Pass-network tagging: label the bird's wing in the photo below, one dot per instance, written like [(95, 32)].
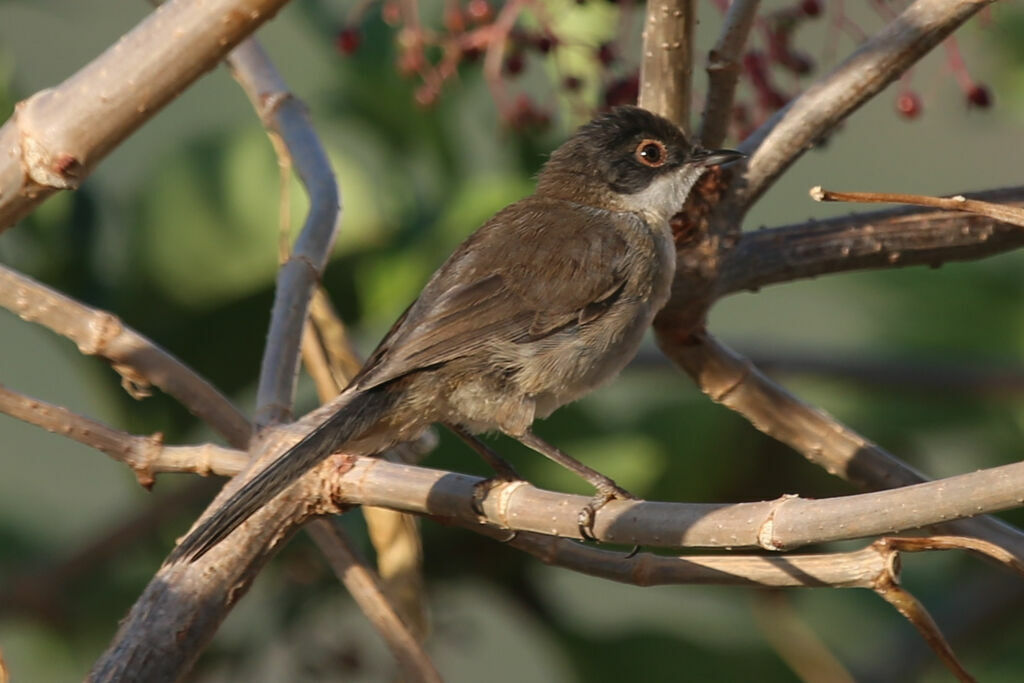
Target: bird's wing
[(535, 268)]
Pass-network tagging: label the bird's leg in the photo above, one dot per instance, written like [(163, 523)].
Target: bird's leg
[(606, 487), (503, 470)]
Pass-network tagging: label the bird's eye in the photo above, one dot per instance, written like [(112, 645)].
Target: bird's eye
[(651, 153)]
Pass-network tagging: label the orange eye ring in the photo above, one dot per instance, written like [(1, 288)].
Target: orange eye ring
[(651, 153)]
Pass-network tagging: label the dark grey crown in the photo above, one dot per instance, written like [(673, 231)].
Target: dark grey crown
[(605, 149)]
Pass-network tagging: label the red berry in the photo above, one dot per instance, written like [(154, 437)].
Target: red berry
[(811, 8), (479, 11), (606, 54), (908, 104), (572, 83), (347, 41), (514, 64), (979, 96), (545, 43)]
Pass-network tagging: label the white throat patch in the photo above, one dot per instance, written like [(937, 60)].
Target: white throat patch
[(664, 197)]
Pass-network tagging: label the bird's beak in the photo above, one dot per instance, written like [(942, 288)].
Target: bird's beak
[(714, 157)]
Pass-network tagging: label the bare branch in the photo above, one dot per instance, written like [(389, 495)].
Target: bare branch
[(395, 536), (724, 71), (146, 455), (56, 137), (909, 606), (138, 360), (283, 113), (881, 239), (365, 588), (834, 96), (733, 381), (666, 67), (857, 569), (998, 212), (786, 523)]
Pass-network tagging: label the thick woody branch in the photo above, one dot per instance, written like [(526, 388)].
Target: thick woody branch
[(724, 71), (880, 239), (146, 455), (56, 137), (666, 66), (816, 112), (138, 360), (286, 116), (733, 381)]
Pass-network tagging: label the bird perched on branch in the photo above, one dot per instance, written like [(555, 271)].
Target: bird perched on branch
[(544, 302)]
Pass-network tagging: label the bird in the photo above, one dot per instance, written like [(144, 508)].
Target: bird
[(546, 301)]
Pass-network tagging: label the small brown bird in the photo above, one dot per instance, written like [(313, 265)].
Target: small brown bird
[(543, 303)]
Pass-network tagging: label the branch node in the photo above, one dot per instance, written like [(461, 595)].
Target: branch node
[(766, 532)]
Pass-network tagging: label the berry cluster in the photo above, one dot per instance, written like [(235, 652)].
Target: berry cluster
[(477, 31)]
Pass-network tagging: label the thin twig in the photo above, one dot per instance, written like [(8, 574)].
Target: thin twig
[(364, 587), (138, 360), (724, 71), (914, 612), (1006, 214), (146, 455), (296, 143), (282, 112), (825, 103)]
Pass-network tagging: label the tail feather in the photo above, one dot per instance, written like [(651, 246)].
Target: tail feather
[(351, 420)]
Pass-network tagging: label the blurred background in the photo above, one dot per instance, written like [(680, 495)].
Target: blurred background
[(176, 233)]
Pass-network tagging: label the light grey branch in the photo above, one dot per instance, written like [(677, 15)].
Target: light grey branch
[(138, 360), (733, 381), (56, 137), (666, 66), (816, 112), (146, 455), (285, 115)]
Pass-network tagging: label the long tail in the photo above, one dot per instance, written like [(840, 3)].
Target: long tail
[(351, 420)]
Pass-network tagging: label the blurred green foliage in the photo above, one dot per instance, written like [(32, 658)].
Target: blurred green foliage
[(188, 256)]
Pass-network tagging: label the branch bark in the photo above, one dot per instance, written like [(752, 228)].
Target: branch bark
[(880, 239), (56, 137), (724, 71), (666, 66), (285, 115), (816, 112), (138, 360), (146, 455), (733, 381)]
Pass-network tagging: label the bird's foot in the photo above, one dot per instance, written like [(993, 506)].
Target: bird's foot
[(483, 488), (606, 492)]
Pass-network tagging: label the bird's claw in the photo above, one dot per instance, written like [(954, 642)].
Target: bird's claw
[(588, 513), (483, 488)]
